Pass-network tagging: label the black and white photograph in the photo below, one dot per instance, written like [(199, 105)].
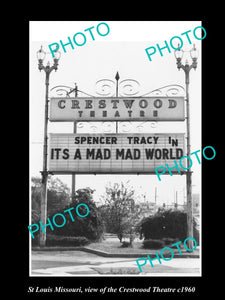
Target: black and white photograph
[(116, 153)]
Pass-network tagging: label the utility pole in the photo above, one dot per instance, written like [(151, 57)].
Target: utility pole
[(155, 194), (176, 204)]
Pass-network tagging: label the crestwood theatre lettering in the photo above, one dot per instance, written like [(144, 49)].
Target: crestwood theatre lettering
[(117, 109), (113, 153)]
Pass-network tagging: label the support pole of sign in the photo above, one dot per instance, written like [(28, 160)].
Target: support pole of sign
[(117, 79), (47, 69), (45, 171), (189, 172), (74, 131), (186, 68)]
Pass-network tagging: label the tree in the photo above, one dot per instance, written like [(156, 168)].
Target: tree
[(35, 199), (58, 196), (119, 212), (90, 226)]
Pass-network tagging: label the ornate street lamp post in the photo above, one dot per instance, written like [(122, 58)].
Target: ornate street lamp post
[(187, 67), (48, 69)]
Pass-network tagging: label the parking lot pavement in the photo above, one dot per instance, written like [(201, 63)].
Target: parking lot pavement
[(78, 263)]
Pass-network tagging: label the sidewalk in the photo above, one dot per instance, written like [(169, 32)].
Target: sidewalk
[(145, 252), (81, 263)]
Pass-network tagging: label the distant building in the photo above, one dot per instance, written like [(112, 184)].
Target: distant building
[(195, 205)]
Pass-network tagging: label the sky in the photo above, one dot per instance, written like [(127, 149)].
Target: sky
[(122, 50)]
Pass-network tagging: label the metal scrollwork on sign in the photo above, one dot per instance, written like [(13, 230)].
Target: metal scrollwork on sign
[(128, 87), (168, 90), (140, 127), (96, 127), (125, 127), (80, 125), (136, 127), (105, 88), (67, 91), (108, 127), (93, 128), (61, 91)]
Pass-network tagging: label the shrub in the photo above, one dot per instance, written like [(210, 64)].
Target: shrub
[(170, 241), (65, 241), (35, 241), (167, 224), (153, 244), (90, 227), (125, 244)]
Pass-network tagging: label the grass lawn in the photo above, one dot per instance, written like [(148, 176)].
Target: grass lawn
[(113, 245)]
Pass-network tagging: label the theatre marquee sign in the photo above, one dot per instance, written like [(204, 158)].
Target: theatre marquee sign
[(117, 109), (113, 153)]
